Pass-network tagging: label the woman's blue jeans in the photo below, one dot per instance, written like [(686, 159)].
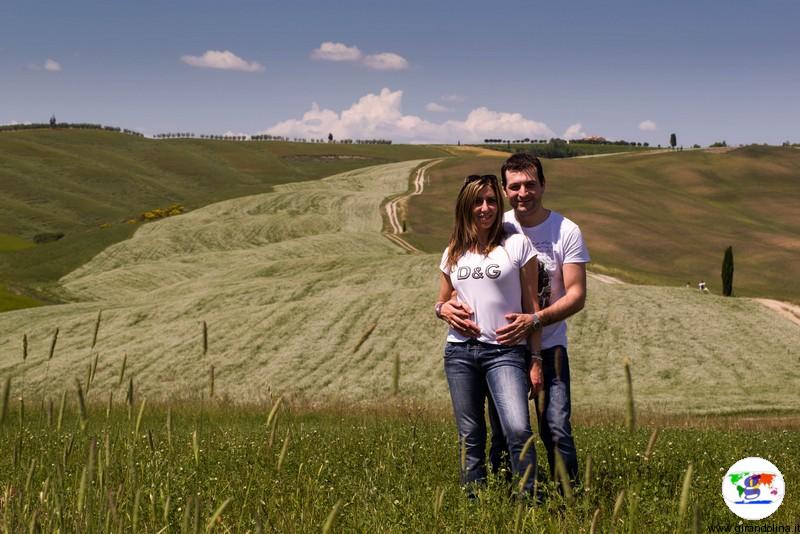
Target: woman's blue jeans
[(474, 369)]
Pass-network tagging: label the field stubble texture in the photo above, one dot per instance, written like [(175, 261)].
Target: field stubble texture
[(303, 295)]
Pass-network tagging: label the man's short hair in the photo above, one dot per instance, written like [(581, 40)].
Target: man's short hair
[(521, 162)]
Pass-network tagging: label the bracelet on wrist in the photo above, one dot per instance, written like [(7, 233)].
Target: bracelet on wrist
[(536, 322), (437, 309), (536, 356)]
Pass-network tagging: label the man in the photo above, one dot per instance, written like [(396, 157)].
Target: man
[(562, 292)]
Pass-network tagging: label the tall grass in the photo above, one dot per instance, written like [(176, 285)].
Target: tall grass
[(348, 470)]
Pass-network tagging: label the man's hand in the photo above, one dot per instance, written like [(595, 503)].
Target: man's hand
[(537, 378), (518, 328), (458, 316)]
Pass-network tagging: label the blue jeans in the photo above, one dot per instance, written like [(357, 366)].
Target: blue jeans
[(554, 426), (474, 371)]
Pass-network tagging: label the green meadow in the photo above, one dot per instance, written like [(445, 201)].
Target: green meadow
[(276, 467), (661, 219)]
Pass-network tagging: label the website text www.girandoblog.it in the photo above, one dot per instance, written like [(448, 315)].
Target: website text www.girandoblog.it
[(768, 527)]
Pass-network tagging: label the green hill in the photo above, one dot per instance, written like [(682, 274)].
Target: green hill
[(86, 184), (303, 295), (662, 218)]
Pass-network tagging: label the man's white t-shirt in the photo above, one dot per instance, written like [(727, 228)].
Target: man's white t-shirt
[(490, 285), (557, 241)]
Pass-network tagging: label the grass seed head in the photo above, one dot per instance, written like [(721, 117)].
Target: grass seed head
[(686, 487), (631, 414), (215, 517), (81, 403), (587, 474), (195, 448), (5, 399), (96, 328), (284, 450), (331, 519), (139, 416), (595, 522), (53, 345), (122, 369), (651, 443)]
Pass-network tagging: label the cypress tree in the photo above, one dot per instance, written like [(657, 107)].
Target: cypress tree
[(727, 272)]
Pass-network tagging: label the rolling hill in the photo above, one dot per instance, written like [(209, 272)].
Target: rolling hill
[(87, 184), (663, 218), (303, 295)]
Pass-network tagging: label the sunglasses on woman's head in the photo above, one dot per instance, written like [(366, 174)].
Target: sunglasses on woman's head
[(476, 177)]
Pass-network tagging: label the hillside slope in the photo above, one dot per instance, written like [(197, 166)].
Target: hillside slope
[(87, 184), (664, 218), (303, 295)]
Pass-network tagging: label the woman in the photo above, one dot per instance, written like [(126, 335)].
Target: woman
[(495, 275)]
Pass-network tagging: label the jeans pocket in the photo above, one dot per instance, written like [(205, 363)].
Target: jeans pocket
[(450, 349)]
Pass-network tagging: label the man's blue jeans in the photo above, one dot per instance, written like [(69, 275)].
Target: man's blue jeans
[(474, 371), (554, 426)]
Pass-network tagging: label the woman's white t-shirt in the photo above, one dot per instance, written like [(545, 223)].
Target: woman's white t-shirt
[(490, 285)]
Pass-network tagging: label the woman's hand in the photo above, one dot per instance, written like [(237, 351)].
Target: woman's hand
[(537, 378)]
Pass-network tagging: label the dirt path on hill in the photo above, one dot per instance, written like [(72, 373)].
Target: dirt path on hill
[(392, 205), (786, 309), (604, 278)]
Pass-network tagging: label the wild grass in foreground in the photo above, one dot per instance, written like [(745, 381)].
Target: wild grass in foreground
[(212, 466)]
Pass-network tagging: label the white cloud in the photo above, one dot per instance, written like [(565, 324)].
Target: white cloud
[(52, 65), (452, 98), (574, 131), (380, 116), (647, 126), (231, 133), (329, 51), (437, 108), (386, 61), (49, 65), (227, 60)]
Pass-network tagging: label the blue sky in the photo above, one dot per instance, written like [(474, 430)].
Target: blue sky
[(410, 71)]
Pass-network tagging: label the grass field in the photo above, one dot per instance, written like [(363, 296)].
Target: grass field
[(302, 295), (212, 466), (87, 184), (661, 219), (224, 468)]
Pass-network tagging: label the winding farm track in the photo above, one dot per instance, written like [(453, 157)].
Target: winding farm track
[(391, 210)]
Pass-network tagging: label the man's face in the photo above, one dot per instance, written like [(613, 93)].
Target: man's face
[(524, 192)]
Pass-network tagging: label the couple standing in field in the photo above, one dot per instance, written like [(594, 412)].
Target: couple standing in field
[(509, 280)]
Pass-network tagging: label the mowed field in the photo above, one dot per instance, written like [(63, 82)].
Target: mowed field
[(303, 295), (88, 184), (661, 219)]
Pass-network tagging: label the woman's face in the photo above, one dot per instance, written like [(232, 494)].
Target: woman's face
[(484, 212)]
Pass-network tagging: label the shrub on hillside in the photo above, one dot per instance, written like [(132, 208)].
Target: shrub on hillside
[(160, 213), (47, 237)]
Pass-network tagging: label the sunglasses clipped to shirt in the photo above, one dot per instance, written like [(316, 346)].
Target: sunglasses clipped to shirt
[(485, 178)]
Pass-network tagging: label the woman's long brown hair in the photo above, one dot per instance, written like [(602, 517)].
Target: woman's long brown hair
[(465, 232)]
